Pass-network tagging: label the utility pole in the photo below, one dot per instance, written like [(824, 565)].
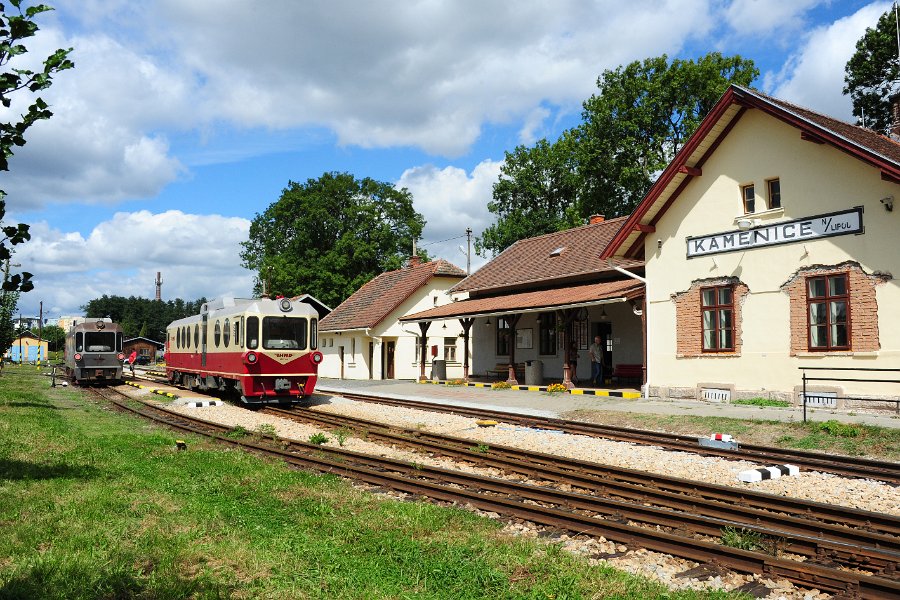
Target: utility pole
[(41, 333), (21, 360), (468, 250)]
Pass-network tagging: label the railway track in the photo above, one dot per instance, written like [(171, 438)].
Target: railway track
[(572, 511), (847, 466)]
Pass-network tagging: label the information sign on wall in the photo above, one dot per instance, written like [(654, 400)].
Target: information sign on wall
[(786, 232)]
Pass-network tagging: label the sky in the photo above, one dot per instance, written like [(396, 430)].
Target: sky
[(182, 120)]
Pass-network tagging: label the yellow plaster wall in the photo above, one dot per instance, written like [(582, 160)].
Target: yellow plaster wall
[(815, 179)]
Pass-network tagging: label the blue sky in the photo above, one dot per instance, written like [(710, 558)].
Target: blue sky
[(182, 120)]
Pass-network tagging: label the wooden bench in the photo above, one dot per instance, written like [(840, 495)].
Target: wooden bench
[(628, 372), (502, 370)]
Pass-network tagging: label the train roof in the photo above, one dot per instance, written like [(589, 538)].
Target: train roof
[(94, 324), (223, 307)]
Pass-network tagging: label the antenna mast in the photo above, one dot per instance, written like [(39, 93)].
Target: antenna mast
[(159, 286)]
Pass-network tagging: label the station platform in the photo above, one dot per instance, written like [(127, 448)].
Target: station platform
[(534, 401)]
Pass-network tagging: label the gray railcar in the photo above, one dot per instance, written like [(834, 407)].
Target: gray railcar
[(94, 351)]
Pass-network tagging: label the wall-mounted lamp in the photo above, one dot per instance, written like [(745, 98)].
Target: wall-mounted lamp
[(888, 203), (659, 244), (445, 326), (744, 224), (538, 319), (603, 315), (487, 322)]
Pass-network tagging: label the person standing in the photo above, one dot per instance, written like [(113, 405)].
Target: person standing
[(131, 360), (596, 352), (573, 363)]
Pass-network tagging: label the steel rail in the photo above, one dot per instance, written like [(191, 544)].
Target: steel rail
[(847, 466), (372, 471), (593, 479)]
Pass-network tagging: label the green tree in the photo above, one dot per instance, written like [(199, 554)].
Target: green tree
[(9, 300), (873, 72), (142, 317), (53, 334), (14, 28), (329, 236), (632, 128)]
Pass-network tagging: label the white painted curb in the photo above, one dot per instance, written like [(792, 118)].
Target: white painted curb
[(763, 473)]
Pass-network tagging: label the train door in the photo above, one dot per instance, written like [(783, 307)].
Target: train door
[(371, 358), (203, 340), (604, 330)]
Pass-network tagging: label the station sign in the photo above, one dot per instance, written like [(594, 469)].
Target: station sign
[(786, 232)]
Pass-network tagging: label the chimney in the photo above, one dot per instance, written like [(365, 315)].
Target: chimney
[(596, 219), (414, 261)]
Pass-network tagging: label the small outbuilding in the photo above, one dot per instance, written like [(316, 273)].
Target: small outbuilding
[(27, 348), (147, 349)]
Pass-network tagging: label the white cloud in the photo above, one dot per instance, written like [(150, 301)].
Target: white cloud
[(198, 255), (764, 17), (452, 200), (814, 76)]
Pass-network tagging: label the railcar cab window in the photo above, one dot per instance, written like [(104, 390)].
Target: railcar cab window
[(828, 310), (749, 198), (226, 332), (217, 333), (237, 332), (252, 332), (717, 307), (79, 341), (284, 333), (313, 334), (99, 341)]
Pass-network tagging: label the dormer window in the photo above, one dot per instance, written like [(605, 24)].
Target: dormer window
[(558, 251)]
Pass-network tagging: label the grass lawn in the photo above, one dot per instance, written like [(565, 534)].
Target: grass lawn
[(95, 504), (828, 436)]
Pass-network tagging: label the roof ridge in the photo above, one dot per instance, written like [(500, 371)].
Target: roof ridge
[(570, 229)]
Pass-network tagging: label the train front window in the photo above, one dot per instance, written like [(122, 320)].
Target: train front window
[(284, 333), (99, 341), (79, 341)]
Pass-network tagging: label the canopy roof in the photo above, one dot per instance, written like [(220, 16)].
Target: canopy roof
[(534, 301)]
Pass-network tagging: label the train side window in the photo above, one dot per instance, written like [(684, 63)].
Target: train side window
[(183, 337), (313, 334), (177, 340), (79, 342), (252, 332), (237, 332), (197, 335), (217, 333), (226, 332)]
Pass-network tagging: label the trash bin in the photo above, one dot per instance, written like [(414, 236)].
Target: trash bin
[(534, 372), (439, 370)]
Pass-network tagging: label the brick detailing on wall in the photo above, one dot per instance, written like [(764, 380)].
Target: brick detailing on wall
[(688, 319), (864, 335)]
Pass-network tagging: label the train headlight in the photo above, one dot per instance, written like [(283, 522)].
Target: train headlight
[(120, 356), (317, 357), (250, 358), (285, 305), (77, 357)]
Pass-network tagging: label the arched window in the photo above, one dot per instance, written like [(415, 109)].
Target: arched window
[(226, 333), (197, 335), (217, 333)]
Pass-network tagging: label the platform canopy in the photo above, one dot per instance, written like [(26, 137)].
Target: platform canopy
[(559, 298)]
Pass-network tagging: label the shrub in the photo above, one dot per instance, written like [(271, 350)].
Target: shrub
[(456, 382), (318, 439), (838, 429), (557, 388), (744, 539), (500, 385)]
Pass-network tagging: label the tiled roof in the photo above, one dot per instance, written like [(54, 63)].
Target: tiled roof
[(859, 142), (375, 300), (533, 261), (551, 298)]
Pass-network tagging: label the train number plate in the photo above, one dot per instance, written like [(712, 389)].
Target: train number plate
[(282, 384)]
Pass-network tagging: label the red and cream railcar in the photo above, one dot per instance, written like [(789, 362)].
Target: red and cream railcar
[(263, 349)]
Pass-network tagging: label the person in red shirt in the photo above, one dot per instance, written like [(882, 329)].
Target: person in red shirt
[(132, 359)]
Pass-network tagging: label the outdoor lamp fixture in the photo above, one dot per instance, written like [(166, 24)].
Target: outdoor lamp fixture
[(445, 326), (603, 315), (487, 322), (538, 319), (888, 203), (744, 224)]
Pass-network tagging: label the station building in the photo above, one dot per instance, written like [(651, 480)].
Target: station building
[(363, 338), (770, 245), (543, 296)]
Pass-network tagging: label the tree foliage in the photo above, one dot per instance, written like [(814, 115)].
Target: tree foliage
[(54, 335), (329, 236), (14, 28), (872, 74), (142, 316), (8, 302), (631, 129)]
